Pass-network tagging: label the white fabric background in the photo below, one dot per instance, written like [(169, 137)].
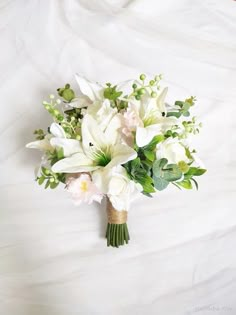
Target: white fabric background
[(53, 256)]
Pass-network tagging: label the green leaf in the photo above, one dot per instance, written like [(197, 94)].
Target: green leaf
[(152, 144), (158, 165), (179, 103), (185, 184), (150, 155), (175, 114), (47, 184), (41, 180), (195, 182), (60, 153), (53, 185), (146, 182), (194, 171), (172, 173), (160, 183), (111, 93), (185, 107)]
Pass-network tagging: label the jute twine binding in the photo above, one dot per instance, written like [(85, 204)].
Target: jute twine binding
[(114, 216)]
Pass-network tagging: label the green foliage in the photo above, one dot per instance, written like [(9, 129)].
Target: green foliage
[(164, 173), (182, 108), (185, 184), (55, 156), (66, 92), (153, 143), (111, 93), (160, 183), (188, 177), (50, 178), (194, 171), (172, 173), (40, 135), (137, 171), (184, 167)]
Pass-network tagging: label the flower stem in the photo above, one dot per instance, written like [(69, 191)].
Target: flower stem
[(117, 234)]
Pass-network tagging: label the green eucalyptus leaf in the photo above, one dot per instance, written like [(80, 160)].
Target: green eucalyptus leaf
[(179, 103), (160, 183), (185, 107), (186, 114), (175, 114), (172, 173), (158, 166)]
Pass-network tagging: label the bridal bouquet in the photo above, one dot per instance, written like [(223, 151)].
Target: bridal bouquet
[(117, 141)]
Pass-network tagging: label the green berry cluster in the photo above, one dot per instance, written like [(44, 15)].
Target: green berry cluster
[(191, 126), (143, 88), (40, 135), (66, 93), (50, 178), (51, 108)]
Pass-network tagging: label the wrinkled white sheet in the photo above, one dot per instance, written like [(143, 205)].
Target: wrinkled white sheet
[(53, 256)]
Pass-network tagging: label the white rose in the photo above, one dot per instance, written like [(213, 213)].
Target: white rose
[(117, 186), (172, 150)]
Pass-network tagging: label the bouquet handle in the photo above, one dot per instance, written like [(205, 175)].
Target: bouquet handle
[(117, 233)]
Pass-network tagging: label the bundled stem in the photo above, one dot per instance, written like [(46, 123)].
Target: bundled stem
[(117, 233)]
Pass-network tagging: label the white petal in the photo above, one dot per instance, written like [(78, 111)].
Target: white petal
[(161, 100), (113, 128), (101, 178), (78, 162), (121, 154), (145, 135), (69, 146), (57, 131), (80, 102), (91, 134), (91, 90), (43, 145)]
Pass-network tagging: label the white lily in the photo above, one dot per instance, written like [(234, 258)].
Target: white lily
[(89, 92), (103, 113), (149, 116), (115, 183), (173, 150), (56, 139), (98, 148)]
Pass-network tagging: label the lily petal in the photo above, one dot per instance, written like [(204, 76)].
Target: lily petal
[(91, 134), (69, 146), (57, 131), (76, 163), (113, 128), (121, 154), (80, 102), (145, 135), (87, 88), (161, 100), (42, 145)]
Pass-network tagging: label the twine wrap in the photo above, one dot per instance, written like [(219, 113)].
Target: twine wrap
[(114, 216)]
